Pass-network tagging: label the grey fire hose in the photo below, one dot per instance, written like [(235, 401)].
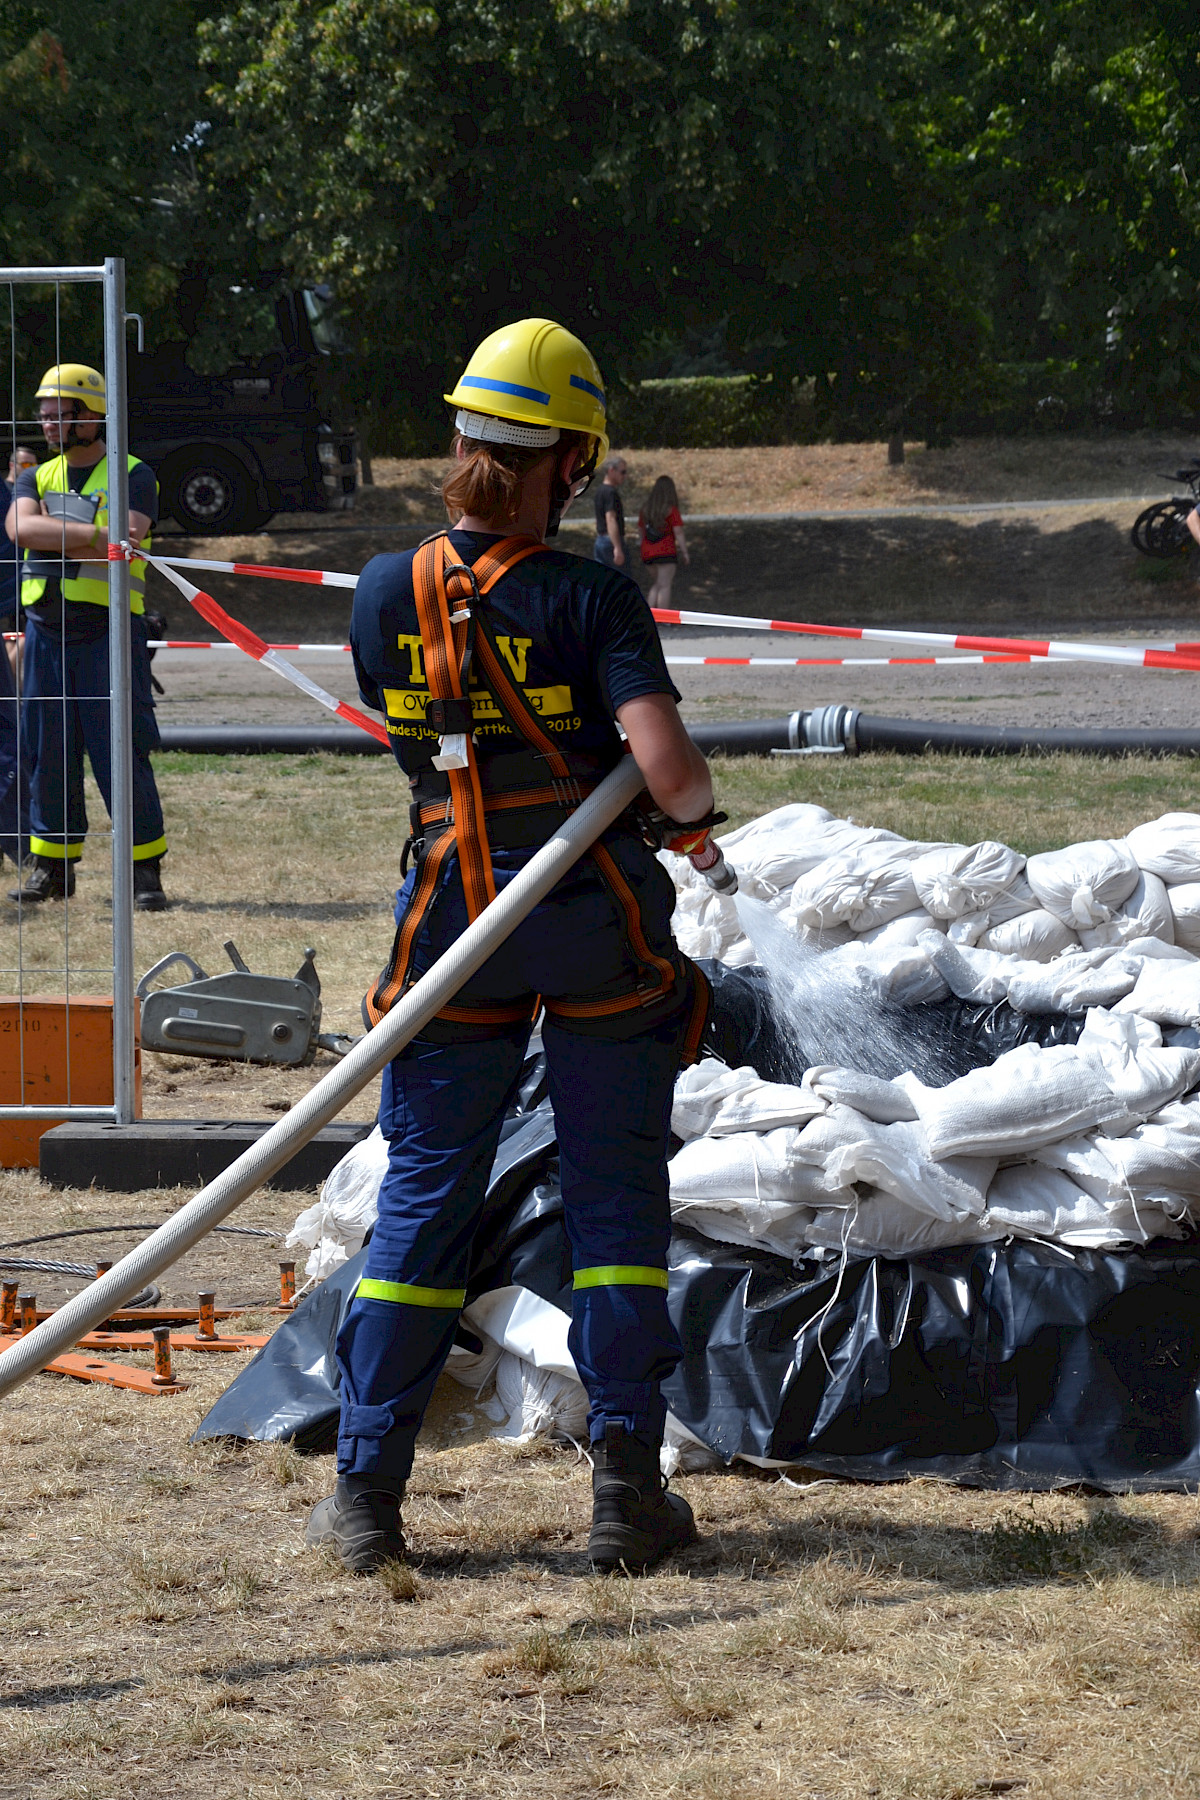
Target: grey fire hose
[(323, 1102)]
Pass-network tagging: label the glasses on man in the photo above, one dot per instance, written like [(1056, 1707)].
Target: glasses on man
[(60, 413)]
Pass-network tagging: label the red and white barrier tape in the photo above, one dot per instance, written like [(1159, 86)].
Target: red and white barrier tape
[(672, 662), (309, 577), (1176, 656), (256, 647), (1047, 648)]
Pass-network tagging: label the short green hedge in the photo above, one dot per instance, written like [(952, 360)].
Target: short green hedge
[(711, 412)]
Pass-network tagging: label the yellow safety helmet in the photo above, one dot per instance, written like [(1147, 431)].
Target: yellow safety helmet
[(74, 381), (526, 383)]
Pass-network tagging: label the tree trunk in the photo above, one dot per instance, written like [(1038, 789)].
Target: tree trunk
[(896, 447)]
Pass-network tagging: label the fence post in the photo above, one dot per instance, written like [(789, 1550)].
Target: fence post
[(116, 435)]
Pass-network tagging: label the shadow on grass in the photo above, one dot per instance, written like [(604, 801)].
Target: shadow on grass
[(320, 911)]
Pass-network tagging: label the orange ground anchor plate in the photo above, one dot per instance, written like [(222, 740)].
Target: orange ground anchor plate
[(109, 1374)]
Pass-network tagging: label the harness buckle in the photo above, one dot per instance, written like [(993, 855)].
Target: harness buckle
[(450, 717), (651, 990)]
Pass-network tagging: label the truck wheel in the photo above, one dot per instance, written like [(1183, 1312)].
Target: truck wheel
[(211, 494)]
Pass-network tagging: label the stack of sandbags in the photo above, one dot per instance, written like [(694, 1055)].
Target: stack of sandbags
[(831, 883), (1089, 1143)]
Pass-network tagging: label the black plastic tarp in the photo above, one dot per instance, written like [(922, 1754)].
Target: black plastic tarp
[(1011, 1365)]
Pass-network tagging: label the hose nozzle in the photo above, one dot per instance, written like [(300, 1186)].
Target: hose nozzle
[(710, 863)]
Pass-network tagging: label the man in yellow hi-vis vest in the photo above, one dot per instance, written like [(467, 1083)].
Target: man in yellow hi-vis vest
[(60, 519)]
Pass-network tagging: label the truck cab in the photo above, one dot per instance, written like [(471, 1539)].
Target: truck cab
[(269, 435)]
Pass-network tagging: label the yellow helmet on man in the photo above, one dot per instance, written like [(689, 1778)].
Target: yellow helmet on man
[(528, 382), (74, 381)]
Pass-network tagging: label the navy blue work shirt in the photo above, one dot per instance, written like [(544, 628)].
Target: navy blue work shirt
[(579, 639)]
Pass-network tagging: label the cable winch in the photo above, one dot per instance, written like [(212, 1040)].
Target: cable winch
[(239, 1017)]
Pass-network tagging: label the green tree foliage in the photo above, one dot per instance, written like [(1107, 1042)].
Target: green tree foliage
[(628, 166), (921, 210)]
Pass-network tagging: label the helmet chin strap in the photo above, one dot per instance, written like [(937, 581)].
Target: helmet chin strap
[(561, 491)]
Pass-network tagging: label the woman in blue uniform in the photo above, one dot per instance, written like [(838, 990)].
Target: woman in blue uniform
[(504, 668)]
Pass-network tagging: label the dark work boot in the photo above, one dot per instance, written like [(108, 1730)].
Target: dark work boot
[(362, 1523), (634, 1519), (45, 878), (148, 893)]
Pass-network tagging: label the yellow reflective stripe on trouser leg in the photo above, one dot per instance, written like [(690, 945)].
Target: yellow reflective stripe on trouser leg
[(143, 852), (48, 847), (621, 1275), (402, 1293)]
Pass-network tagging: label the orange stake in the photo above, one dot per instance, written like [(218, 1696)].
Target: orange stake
[(28, 1305), (206, 1323), (163, 1376), (287, 1284), (8, 1304)]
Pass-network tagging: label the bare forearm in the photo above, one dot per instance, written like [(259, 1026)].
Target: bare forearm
[(1193, 523), (34, 531), (676, 772)]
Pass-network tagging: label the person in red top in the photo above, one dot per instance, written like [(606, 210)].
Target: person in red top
[(663, 542)]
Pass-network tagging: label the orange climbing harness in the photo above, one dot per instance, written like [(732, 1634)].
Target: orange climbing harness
[(456, 636)]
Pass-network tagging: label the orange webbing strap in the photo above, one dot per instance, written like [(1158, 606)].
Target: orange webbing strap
[(443, 644), (698, 1017), (394, 979)]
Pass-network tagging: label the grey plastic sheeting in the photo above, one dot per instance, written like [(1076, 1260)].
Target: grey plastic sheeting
[(1009, 1365), (1002, 1365)]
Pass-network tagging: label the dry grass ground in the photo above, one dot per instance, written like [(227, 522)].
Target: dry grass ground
[(166, 1634), (280, 852)]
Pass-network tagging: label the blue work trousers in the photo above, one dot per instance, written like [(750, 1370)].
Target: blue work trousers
[(65, 711), (14, 774), (442, 1109)]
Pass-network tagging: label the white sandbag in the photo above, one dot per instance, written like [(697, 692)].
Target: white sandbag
[(751, 1165), (791, 824), (1168, 847), (1146, 913), (903, 931), (1017, 898), (1035, 936), (890, 974), (779, 1226), (1073, 982), (981, 976), (1035, 1202), (776, 850), (1158, 1159), (861, 890), (1184, 901), (880, 1225), (1083, 884), (683, 1453), (524, 1324), (539, 1402), (820, 937), (1166, 991), (1143, 1073), (895, 1159), (881, 1101), (712, 1100), (960, 879), (335, 1227), (704, 923), (1028, 1097)]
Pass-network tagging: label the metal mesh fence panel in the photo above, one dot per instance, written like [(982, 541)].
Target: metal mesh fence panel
[(66, 689)]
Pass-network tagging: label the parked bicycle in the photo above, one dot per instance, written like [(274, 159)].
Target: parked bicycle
[(1160, 531)]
